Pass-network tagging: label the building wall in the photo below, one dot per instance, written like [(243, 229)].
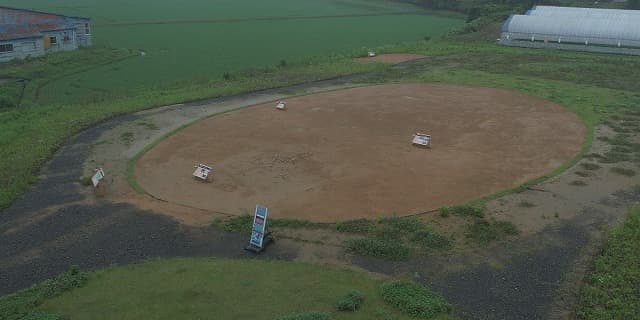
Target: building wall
[(65, 40), (23, 48), (83, 32)]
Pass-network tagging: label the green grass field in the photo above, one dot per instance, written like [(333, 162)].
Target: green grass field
[(201, 40), (222, 289), (611, 290)]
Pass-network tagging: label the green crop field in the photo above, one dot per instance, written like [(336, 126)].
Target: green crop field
[(204, 39)]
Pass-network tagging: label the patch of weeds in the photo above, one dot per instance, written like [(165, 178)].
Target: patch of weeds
[(379, 248), (355, 226), (469, 211), (526, 204), (578, 183), (444, 212), (615, 157), (414, 300), (351, 301), (126, 137), (24, 304), (584, 174), (148, 125), (296, 224), (484, 232), (621, 149), (623, 171), (237, 224), (431, 240), (402, 225), (311, 315), (590, 166), (594, 156), (619, 140), (85, 181), (611, 290)]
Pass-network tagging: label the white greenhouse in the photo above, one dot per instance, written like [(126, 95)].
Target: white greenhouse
[(581, 29)]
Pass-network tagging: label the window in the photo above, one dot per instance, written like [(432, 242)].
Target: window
[(54, 40), (86, 28), (6, 47), (66, 37)]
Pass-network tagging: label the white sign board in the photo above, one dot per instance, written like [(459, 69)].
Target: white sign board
[(99, 175)]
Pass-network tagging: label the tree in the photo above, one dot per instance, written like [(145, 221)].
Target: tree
[(633, 4)]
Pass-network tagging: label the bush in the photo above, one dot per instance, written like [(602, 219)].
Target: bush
[(355, 226), (414, 300), (379, 248), (351, 302), (312, 315), (444, 212)]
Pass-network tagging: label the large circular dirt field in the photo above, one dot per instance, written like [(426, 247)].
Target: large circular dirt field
[(347, 154)]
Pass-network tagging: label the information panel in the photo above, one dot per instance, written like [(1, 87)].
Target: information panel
[(259, 226)]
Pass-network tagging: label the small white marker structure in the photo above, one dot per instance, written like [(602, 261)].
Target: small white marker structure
[(203, 172), (422, 140), (281, 105), (97, 177), (372, 54)]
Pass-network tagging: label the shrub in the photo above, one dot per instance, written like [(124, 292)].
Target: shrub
[(414, 300), (431, 240), (85, 181), (351, 301), (379, 248), (468, 211), (312, 315), (355, 226), (444, 212)]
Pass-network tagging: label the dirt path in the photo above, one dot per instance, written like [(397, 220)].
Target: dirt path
[(391, 58), (347, 154)]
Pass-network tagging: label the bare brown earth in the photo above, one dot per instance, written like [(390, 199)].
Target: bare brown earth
[(347, 154), (391, 58)]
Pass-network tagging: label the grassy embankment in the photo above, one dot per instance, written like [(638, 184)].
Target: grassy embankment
[(224, 289), (611, 290)]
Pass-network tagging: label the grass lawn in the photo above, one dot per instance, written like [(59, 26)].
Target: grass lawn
[(201, 40), (221, 289), (611, 290)]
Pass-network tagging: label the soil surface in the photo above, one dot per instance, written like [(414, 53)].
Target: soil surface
[(391, 58), (347, 154)]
